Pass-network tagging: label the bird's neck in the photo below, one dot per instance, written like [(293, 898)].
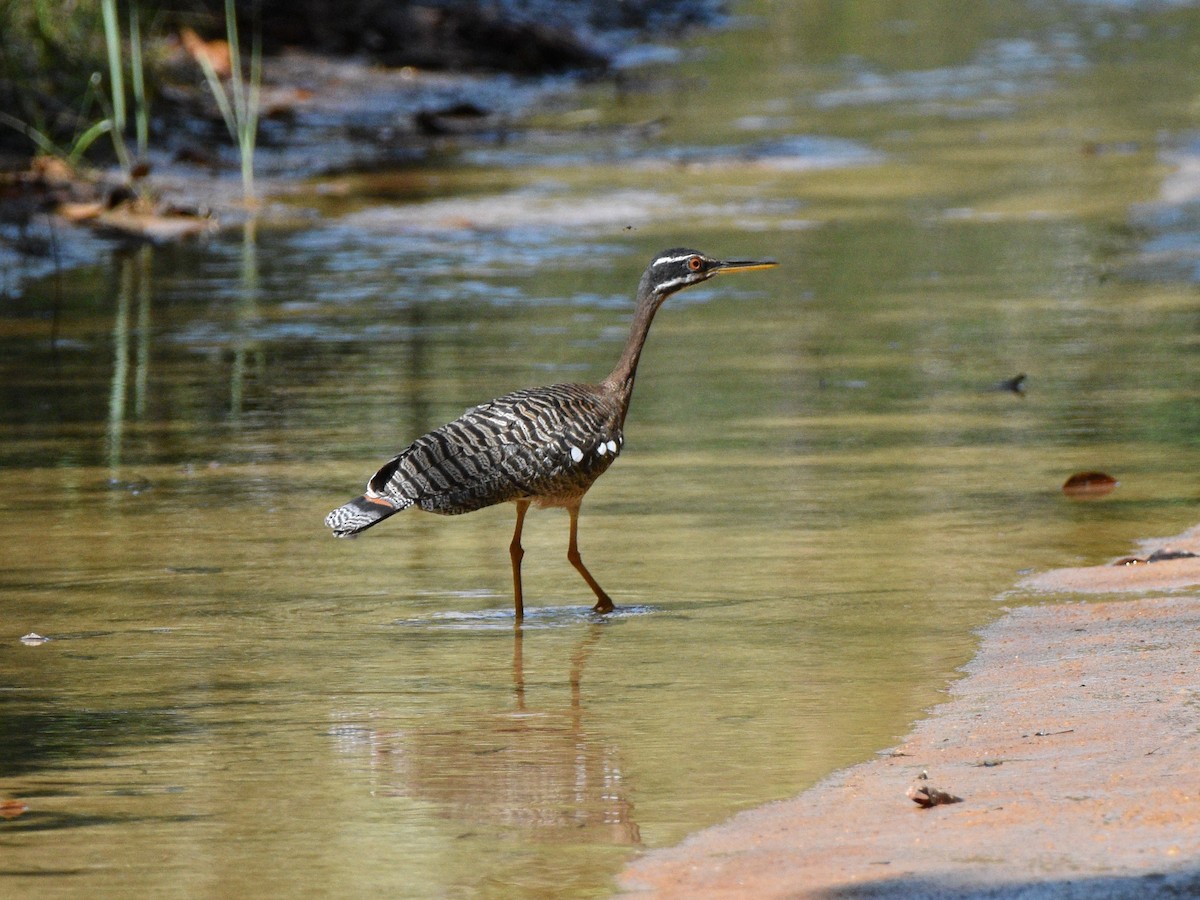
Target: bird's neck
[(620, 381)]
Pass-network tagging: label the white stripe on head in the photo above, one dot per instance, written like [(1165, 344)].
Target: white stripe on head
[(663, 260), (674, 283)]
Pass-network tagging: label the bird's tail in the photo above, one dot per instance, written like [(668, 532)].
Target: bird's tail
[(360, 514)]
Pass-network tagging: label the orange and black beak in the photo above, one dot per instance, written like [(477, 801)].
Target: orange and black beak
[(743, 265)]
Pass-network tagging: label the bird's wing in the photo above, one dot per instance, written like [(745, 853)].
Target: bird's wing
[(542, 442)]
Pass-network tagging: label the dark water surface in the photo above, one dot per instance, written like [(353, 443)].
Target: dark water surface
[(822, 493)]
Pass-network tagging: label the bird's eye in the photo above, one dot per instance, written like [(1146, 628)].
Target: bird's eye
[(695, 264)]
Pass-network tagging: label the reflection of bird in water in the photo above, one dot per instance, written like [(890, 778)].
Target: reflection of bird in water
[(538, 764), (544, 446)]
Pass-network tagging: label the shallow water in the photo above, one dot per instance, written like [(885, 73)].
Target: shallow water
[(821, 494)]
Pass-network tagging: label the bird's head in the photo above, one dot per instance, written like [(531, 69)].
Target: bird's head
[(673, 270)]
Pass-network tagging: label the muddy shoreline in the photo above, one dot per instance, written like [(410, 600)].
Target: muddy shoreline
[(1073, 741)]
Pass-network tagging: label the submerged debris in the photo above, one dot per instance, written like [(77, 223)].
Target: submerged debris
[(136, 485), (1157, 556)]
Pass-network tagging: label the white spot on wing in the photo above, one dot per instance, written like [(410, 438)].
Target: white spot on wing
[(576, 454), (602, 449), (612, 446)]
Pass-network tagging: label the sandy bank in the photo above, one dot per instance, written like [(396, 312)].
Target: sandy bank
[(1073, 741)]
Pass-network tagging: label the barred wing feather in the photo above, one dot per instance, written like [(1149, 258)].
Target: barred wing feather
[(543, 443)]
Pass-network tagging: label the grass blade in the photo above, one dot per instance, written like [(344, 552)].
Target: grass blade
[(85, 140), (112, 41), (219, 95), (137, 75)]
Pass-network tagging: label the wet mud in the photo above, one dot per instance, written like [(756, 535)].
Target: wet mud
[(1072, 741)]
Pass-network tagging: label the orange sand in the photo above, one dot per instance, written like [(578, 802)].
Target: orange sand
[(1087, 716)]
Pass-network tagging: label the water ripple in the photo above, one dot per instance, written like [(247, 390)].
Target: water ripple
[(537, 617)]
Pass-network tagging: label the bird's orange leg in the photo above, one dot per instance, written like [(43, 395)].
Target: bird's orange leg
[(516, 552), (604, 602)]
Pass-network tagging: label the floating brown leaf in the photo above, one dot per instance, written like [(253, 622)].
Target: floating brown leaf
[(1089, 484), (10, 809)]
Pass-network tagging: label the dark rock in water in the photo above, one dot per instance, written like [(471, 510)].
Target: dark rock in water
[(1016, 384), (458, 118)]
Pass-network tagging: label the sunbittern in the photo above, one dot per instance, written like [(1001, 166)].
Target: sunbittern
[(543, 446)]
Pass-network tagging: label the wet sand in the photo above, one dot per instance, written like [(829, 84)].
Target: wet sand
[(1073, 741)]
